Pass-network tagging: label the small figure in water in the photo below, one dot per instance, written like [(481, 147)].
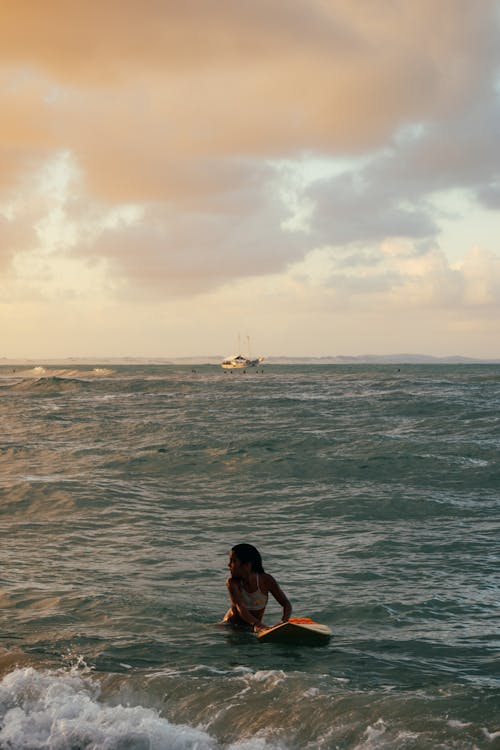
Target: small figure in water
[(249, 587)]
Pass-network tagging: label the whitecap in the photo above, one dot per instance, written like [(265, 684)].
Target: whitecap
[(62, 711), (491, 735), (456, 724), (269, 675), (311, 693)]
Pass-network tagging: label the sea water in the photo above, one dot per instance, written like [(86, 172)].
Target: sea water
[(373, 494)]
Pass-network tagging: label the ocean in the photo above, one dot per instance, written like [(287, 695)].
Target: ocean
[(373, 494)]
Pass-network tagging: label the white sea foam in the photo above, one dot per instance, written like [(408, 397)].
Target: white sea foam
[(270, 677), (491, 735), (373, 735), (44, 372), (62, 710), (456, 724), (257, 743), (311, 693)]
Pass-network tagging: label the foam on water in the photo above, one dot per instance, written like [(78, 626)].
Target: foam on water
[(61, 372), (73, 708), (63, 711)]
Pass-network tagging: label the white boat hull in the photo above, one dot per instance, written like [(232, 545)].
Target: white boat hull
[(239, 364)]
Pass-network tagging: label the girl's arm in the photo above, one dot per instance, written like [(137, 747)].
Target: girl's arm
[(280, 597), (241, 609)]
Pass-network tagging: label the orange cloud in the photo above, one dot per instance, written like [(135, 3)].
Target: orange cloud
[(181, 107), (138, 90)]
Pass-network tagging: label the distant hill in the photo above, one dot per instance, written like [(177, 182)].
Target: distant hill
[(382, 359)]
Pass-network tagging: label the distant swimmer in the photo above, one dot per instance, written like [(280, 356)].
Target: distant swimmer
[(249, 586)]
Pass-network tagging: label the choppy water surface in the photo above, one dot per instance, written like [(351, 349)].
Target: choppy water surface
[(373, 494)]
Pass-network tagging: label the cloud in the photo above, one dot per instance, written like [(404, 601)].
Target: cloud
[(391, 194), (173, 116), (399, 274), (353, 207), (185, 253), (53, 223), (137, 91), (480, 270)]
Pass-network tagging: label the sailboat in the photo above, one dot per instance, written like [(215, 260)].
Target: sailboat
[(239, 361)]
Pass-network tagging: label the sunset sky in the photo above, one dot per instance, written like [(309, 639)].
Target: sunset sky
[(322, 175)]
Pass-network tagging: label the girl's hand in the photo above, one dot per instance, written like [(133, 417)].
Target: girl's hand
[(258, 627)]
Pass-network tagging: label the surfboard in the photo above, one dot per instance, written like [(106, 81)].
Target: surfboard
[(300, 630)]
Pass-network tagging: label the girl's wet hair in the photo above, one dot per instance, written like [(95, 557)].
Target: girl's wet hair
[(248, 553)]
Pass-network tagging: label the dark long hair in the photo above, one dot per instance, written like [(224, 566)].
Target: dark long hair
[(248, 553)]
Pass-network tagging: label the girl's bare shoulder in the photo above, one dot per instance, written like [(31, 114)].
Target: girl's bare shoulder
[(267, 580)]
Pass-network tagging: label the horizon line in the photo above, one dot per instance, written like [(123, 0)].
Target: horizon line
[(394, 358)]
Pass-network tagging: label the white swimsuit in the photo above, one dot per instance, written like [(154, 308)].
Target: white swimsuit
[(254, 600)]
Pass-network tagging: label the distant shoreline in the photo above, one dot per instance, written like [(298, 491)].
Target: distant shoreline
[(388, 359)]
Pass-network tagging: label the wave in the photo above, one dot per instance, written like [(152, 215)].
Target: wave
[(64, 710), (47, 709), (239, 708), (42, 372), (48, 384), (42, 379)]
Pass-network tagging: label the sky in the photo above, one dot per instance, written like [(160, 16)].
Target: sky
[(322, 176)]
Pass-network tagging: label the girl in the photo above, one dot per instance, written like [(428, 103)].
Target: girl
[(248, 587)]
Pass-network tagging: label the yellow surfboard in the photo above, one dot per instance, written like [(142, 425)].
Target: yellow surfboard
[(300, 630)]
